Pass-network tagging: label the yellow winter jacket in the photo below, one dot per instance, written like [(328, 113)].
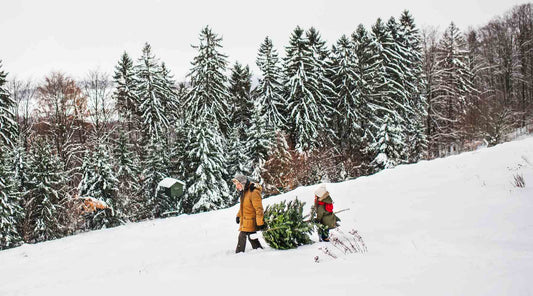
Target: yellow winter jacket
[(251, 210)]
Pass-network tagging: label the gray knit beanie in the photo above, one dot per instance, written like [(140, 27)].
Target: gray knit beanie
[(241, 178)]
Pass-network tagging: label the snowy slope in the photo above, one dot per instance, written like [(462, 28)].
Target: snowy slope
[(453, 226)]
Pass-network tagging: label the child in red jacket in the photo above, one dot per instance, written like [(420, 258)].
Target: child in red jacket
[(324, 212)]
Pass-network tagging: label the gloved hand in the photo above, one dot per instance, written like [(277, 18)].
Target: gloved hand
[(262, 227), (238, 220)]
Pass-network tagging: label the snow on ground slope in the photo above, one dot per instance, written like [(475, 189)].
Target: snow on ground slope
[(453, 226)]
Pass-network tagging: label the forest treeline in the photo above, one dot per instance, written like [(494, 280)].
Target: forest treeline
[(376, 98)]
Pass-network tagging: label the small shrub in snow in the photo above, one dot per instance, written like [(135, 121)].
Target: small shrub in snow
[(347, 244), (327, 252), (519, 181)]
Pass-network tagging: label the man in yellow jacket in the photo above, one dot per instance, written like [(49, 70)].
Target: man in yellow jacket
[(250, 215)]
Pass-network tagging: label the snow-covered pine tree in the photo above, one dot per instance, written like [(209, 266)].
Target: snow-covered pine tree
[(170, 101), (402, 60), (388, 145), (207, 127), (125, 93), (10, 210), (250, 124), (452, 86), (259, 142), (46, 194), (209, 92), (238, 158), (242, 105), (20, 163), (177, 151), (345, 78), (99, 182), (177, 146), (324, 73), (390, 97), (127, 168), (368, 71), (269, 91), (409, 40), (304, 95), (8, 124), (155, 166), (207, 188), (21, 179), (152, 91)]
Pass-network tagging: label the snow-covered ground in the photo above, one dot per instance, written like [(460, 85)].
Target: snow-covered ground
[(453, 226)]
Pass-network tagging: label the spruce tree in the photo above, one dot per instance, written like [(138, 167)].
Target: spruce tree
[(238, 160), (288, 229), (390, 100), (21, 179), (99, 182), (368, 71), (345, 79), (127, 168), (240, 84), (207, 128), (323, 70), (410, 41), (391, 94), (177, 151), (46, 194), (259, 142), (269, 91), (207, 188), (388, 145), (155, 170), (125, 92), (152, 91), (10, 210), (21, 165), (8, 124), (306, 101), (170, 101), (239, 157), (209, 92)]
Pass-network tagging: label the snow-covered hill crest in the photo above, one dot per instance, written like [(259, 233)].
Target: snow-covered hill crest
[(453, 226)]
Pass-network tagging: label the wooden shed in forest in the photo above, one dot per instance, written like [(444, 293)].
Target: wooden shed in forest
[(171, 187)]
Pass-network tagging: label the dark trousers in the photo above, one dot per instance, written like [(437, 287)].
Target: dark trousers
[(241, 243), (323, 234)]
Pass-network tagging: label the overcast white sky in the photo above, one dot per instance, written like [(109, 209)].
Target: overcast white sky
[(74, 37)]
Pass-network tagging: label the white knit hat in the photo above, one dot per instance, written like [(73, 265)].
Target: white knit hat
[(321, 191)]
